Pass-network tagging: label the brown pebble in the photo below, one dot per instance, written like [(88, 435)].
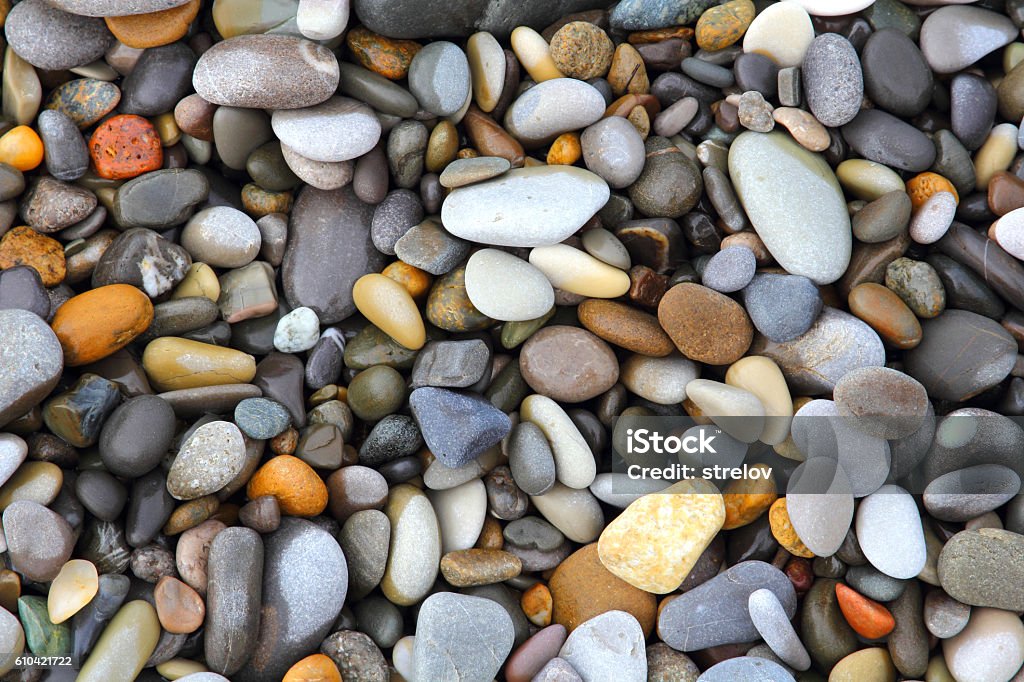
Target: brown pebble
[(705, 325), (179, 607), (473, 567), (625, 326)]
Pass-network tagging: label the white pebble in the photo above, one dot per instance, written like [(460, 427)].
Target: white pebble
[(297, 331), (933, 219)]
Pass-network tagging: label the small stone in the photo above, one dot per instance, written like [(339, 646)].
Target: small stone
[(643, 555), (782, 32), (179, 608), (39, 542), (210, 459), (581, 50), (972, 653), (608, 645), (266, 72), (613, 149), (457, 427), (124, 147), (350, 126), (729, 270), (50, 38), (769, 617), (31, 348), (833, 80), (953, 38), (889, 531), (73, 588), (721, 26), (461, 636), (568, 364), (298, 489), (687, 308), (297, 331), (25, 246)]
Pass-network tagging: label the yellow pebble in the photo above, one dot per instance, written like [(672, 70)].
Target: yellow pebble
[(387, 304), (868, 180), (21, 147), (782, 529), (578, 272), (995, 155), (173, 363), (73, 588), (534, 54), (167, 129), (565, 150), (200, 280)]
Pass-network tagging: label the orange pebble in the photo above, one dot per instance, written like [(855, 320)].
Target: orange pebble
[(124, 147), (782, 529), (298, 489), (100, 322), (21, 147), (417, 282), (565, 150), (921, 187), (867, 617), (536, 603), (315, 668)]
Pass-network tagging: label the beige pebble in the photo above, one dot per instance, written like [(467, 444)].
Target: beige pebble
[(534, 54), (575, 466), (173, 363), (782, 32), (991, 647), (655, 543), (736, 411), (996, 154), (73, 588), (578, 272), (576, 513), (200, 280), (868, 180), (762, 377), (388, 305), (804, 128), (487, 67)]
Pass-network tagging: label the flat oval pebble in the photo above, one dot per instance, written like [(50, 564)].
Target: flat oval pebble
[(532, 297), (688, 309), (525, 207), (782, 32), (833, 80), (974, 653), (779, 213), (890, 534), (613, 149), (577, 272), (439, 78), (551, 108), (50, 38), (350, 126), (266, 71), (211, 457)]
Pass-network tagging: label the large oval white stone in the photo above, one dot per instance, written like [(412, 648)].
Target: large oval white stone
[(526, 207), (795, 203), (488, 273)]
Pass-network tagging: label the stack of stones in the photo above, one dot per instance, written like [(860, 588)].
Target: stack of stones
[(316, 319)]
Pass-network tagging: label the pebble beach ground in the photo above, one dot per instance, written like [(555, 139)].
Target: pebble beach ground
[(321, 322)]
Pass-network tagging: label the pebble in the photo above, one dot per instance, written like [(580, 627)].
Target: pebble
[(647, 557), (834, 345), (889, 531), (30, 347), (49, 38), (124, 147), (349, 125), (614, 150), (833, 80), (461, 636), (716, 612), (782, 307), (495, 212), (984, 355), (329, 248), (688, 309), (532, 297), (953, 38), (885, 139), (451, 364), (771, 621), (298, 489), (415, 549), (266, 71), (210, 459), (611, 644), (991, 647), (439, 78), (581, 50), (944, 616), (456, 427), (822, 255), (976, 567), (729, 270), (551, 108), (577, 272), (39, 542), (297, 331), (307, 596), (126, 644), (896, 75), (568, 364), (222, 237), (782, 32)]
